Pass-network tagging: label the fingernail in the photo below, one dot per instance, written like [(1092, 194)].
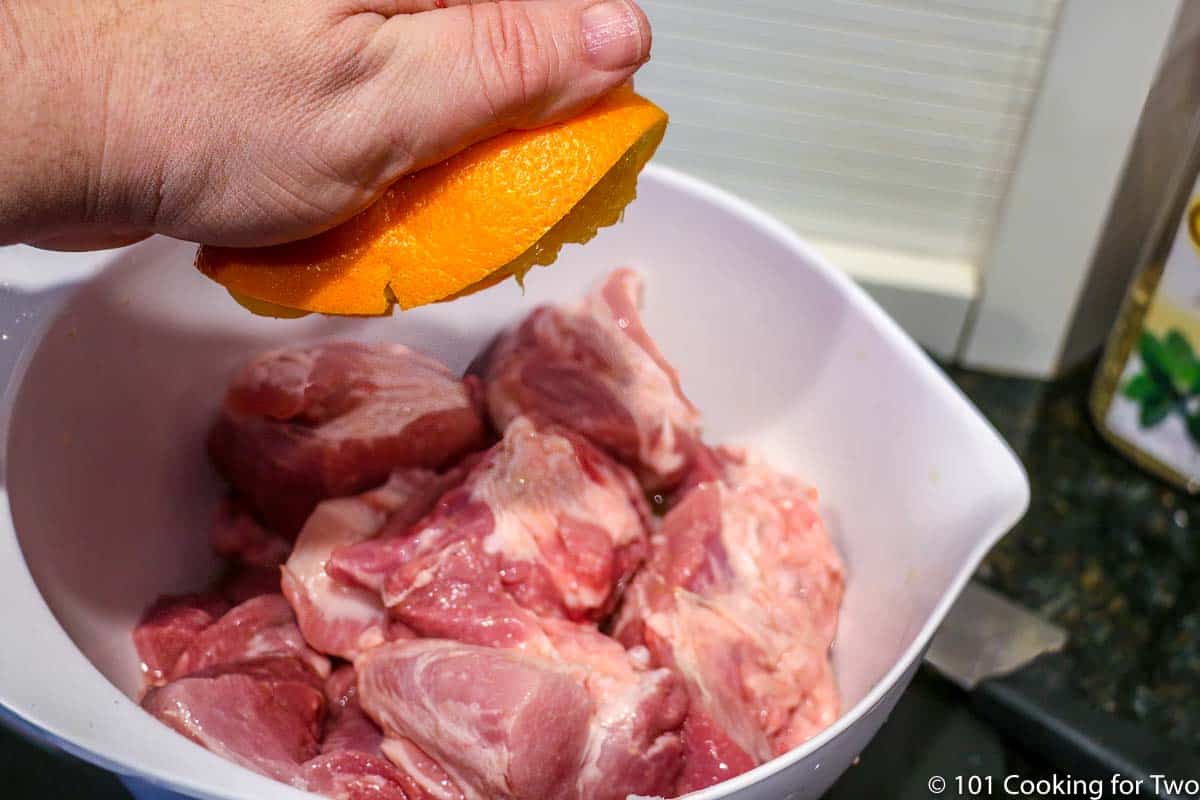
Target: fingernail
[(612, 34)]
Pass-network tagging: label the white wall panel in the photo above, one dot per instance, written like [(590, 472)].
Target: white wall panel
[(887, 124)]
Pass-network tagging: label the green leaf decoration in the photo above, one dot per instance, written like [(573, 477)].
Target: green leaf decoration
[(1193, 427), (1155, 410), (1140, 387), (1181, 361), (1169, 381), (1178, 346), (1156, 359)]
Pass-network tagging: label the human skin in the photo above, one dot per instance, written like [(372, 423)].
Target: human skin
[(245, 123)]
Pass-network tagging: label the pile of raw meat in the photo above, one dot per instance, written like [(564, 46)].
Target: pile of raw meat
[(443, 588)]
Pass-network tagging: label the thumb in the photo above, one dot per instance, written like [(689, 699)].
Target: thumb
[(471, 71)]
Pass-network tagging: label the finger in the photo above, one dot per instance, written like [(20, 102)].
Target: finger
[(78, 242), (470, 71), (390, 8)]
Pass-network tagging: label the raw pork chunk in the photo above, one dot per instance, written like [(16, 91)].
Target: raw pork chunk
[(519, 705), (592, 367), (351, 775), (561, 524), (245, 686), (169, 627), (347, 727), (263, 627), (301, 425), (351, 765), (238, 536), (612, 724), (268, 723), (741, 597), (579, 721), (336, 618)]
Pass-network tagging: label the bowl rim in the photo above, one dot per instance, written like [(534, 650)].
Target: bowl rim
[(19, 705)]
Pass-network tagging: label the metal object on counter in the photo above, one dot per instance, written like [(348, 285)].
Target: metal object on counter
[(986, 635)]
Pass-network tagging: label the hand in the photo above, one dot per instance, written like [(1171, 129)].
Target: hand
[(238, 122)]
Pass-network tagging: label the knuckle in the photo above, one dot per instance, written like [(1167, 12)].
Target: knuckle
[(514, 59)]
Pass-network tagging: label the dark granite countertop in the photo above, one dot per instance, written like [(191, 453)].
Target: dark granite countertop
[(1108, 552)]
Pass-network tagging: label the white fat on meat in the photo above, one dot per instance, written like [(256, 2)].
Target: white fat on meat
[(560, 523), (593, 367), (536, 487), (501, 724), (337, 618), (741, 597)]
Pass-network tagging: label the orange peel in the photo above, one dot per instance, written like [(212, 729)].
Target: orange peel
[(494, 210)]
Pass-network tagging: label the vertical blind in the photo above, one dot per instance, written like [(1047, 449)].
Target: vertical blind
[(885, 127)]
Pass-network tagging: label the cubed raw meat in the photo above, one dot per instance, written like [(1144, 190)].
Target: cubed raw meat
[(337, 618), (562, 524), (592, 367), (740, 597), (302, 425)]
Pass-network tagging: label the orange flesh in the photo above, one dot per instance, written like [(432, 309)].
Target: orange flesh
[(495, 209)]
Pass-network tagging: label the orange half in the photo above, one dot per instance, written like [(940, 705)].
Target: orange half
[(493, 211)]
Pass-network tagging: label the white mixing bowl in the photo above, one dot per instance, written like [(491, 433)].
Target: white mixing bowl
[(107, 492)]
